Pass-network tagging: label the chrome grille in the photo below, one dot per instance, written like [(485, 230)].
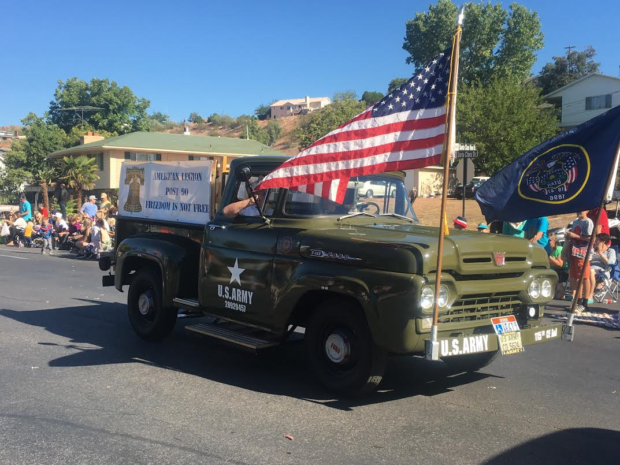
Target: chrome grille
[(473, 307)]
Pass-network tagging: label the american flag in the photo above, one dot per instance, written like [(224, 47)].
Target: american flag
[(404, 130)]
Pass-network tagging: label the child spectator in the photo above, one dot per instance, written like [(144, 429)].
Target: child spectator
[(46, 234), (579, 236), (603, 259), (101, 241), (28, 234)]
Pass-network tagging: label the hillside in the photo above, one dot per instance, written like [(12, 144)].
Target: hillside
[(285, 144)]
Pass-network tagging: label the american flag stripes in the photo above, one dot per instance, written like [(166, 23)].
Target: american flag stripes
[(405, 130)]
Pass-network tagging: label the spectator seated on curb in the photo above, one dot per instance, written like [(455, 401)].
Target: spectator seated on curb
[(602, 260), (61, 230), (85, 238), (17, 234), (101, 241)]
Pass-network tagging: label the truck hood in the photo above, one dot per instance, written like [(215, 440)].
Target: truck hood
[(413, 249)]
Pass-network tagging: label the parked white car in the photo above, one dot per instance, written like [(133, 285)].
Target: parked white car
[(373, 189)]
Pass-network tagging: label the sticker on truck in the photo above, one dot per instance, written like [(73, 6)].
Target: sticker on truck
[(465, 345)]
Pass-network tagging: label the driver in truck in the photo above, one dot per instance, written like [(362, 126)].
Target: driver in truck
[(247, 206)]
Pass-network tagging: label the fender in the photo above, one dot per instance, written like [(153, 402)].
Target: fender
[(175, 257), (379, 294)]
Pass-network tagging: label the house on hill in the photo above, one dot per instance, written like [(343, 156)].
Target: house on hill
[(585, 98), (155, 146), (297, 106)]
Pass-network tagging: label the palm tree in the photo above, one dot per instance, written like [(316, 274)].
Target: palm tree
[(80, 173)]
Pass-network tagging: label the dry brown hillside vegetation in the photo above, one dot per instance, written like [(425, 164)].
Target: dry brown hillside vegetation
[(286, 144)]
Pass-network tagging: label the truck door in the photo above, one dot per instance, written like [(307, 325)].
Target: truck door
[(236, 270)]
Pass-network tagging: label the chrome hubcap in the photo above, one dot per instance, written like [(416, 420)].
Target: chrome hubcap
[(146, 303), (337, 348)]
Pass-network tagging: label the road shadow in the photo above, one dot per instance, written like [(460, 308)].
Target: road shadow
[(99, 333), (578, 445)]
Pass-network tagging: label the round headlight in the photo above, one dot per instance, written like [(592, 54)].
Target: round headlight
[(427, 298), (442, 301), (545, 288), (534, 289)]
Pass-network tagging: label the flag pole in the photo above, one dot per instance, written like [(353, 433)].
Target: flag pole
[(569, 330), (432, 345)]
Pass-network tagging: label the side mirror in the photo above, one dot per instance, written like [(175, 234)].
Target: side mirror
[(243, 173)]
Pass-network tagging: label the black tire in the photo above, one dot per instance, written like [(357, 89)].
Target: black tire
[(361, 370), (472, 362), (369, 193), (155, 321)]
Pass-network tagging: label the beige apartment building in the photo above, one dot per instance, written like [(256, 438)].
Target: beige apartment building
[(154, 146), (297, 106)]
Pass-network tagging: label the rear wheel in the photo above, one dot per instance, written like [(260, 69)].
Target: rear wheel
[(341, 351), (147, 314), (369, 193), (472, 362)]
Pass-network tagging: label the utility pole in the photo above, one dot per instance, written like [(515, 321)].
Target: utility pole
[(569, 48)]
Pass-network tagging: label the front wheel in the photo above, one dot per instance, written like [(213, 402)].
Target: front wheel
[(472, 362), (147, 314), (341, 350)]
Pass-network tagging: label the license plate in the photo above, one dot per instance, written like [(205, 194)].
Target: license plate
[(508, 334)]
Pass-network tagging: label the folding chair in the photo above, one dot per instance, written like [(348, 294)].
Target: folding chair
[(611, 286)]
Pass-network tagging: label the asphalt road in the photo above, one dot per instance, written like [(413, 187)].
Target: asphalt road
[(77, 386)]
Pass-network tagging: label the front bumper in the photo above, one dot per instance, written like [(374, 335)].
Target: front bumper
[(488, 342)]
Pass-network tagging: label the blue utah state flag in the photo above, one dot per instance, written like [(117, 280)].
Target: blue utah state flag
[(564, 174)]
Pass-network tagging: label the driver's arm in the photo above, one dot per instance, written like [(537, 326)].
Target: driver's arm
[(233, 209)]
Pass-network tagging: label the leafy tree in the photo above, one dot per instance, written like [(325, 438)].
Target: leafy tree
[(80, 173), (222, 120), (396, 83), (74, 136), (274, 131), (370, 98), (318, 123), (495, 41), (11, 182), (565, 69), (263, 111), (195, 118), (159, 117), (27, 159), (344, 95), (504, 119), (122, 111)]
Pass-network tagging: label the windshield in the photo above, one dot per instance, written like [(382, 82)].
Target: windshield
[(376, 195)]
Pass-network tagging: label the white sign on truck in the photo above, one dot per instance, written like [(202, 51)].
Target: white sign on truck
[(172, 191)]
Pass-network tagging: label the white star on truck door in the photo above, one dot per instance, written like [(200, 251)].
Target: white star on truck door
[(235, 272)]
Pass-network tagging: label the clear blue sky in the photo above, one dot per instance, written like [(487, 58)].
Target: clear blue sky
[(229, 57)]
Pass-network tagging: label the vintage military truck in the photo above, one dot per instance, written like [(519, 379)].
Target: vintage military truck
[(357, 277)]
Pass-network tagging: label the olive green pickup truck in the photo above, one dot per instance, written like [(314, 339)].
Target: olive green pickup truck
[(358, 277)]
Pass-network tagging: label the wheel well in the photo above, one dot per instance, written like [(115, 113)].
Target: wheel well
[(132, 265), (312, 299)]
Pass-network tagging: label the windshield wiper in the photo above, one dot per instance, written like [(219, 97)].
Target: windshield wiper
[(396, 215), (351, 215)]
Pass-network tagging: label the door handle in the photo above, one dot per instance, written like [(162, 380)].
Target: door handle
[(213, 226)]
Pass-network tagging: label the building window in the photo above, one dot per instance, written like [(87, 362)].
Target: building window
[(137, 156), (198, 158), (99, 157), (599, 102)]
